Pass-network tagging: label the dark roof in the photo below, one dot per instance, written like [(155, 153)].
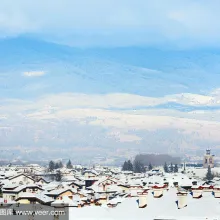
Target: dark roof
[(47, 181), (20, 188), (11, 178)]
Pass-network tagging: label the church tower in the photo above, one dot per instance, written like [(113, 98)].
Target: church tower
[(208, 159)]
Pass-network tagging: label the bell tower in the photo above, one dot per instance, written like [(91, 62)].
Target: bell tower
[(208, 159)]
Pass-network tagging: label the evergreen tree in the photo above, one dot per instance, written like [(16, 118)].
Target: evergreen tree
[(60, 164), (184, 167), (52, 177), (171, 168), (56, 166), (209, 175), (139, 167), (165, 167), (143, 169), (125, 166), (130, 166), (69, 165), (51, 165), (150, 167), (176, 168), (58, 176)]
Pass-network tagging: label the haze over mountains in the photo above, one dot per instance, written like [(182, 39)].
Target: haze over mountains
[(60, 101)]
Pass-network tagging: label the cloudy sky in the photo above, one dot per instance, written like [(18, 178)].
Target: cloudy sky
[(106, 77), (126, 22)]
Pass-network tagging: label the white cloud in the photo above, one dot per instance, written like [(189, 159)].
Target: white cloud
[(34, 73)]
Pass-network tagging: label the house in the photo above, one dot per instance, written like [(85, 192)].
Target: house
[(21, 179), (42, 181), (13, 192), (107, 181), (60, 193), (100, 194), (90, 174), (67, 202), (76, 185), (30, 198)]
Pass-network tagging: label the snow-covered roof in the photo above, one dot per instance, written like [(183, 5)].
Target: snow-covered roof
[(40, 196), (20, 188), (162, 208), (60, 191)]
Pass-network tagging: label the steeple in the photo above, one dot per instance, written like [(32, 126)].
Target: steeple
[(208, 151), (208, 159)]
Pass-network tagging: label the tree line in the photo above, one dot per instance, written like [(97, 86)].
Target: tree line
[(170, 169), (157, 159), (58, 165), (137, 166)]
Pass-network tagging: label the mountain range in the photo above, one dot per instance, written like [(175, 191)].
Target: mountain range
[(56, 100)]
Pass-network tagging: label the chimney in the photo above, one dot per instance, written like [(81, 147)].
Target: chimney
[(197, 192), (158, 191), (182, 199), (142, 199), (216, 191)]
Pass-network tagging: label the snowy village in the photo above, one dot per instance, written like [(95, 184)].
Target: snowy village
[(100, 192)]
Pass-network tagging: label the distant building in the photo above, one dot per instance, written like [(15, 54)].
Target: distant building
[(208, 159)]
